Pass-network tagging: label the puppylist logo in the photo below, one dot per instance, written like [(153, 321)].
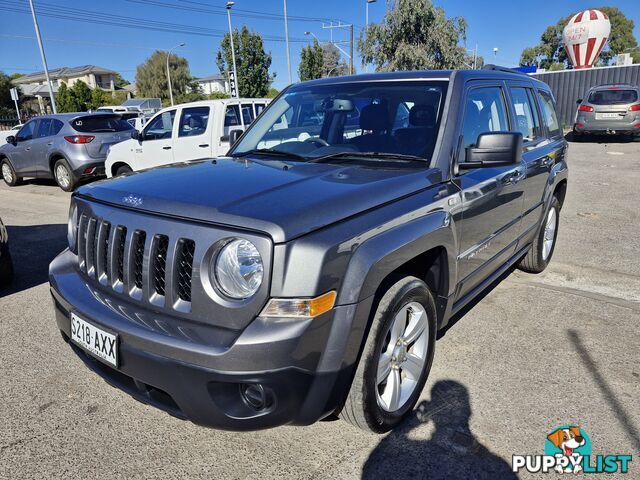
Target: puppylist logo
[(568, 449)]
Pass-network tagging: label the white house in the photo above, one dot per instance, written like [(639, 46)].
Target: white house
[(213, 83)]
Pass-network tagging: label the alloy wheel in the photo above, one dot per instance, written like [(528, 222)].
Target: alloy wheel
[(549, 233), (7, 174), (62, 175), (403, 357)]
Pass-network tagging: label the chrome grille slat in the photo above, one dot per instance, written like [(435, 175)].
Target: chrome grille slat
[(82, 242), (102, 248), (90, 243)]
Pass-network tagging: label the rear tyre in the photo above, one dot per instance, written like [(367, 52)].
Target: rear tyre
[(123, 170), (6, 268), (540, 253), (396, 359), (9, 174), (65, 178)]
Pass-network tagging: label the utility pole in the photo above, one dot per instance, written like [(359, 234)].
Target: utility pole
[(366, 23), (43, 57), (286, 34), (169, 71), (351, 54), (233, 82)]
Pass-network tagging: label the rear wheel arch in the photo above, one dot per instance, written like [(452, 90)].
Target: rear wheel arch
[(53, 158), (116, 165)]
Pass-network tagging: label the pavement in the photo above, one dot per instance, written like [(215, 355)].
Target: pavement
[(538, 351)]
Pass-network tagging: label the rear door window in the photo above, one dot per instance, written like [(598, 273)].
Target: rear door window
[(526, 114), (548, 107), (160, 127), (613, 96), (193, 121), (44, 129), (247, 113), (100, 124)]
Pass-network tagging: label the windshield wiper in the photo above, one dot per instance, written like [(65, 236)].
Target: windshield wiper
[(270, 152), (367, 155)]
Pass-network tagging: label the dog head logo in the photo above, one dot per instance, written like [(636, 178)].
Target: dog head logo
[(567, 439)]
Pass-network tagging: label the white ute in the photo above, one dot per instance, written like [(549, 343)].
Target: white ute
[(182, 133)]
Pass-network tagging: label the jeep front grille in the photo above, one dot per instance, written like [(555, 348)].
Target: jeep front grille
[(136, 262)]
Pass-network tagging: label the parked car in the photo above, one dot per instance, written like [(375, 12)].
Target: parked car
[(7, 133), (185, 132), (68, 147), (609, 109), (284, 284), (6, 265)]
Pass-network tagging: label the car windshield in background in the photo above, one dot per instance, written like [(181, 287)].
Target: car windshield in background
[(100, 123), (613, 96), (330, 121)]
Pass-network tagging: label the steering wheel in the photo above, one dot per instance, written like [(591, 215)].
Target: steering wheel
[(317, 141)]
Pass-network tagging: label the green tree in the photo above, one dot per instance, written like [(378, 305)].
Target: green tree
[(550, 50), (414, 35), (217, 96), (99, 98), (82, 95), (311, 58), (252, 62), (151, 76), (272, 93), (65, 101), (332, 63), (120, 82)]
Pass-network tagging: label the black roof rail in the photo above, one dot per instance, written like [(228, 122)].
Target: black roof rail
[(498, 68), (617, 84)]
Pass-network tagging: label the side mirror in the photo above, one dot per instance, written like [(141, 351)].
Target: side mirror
[(137, 135), (234, 135), (579, 101), (494, 149), (11, 139)]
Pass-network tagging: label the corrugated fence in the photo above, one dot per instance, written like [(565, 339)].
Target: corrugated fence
[(570, 85)]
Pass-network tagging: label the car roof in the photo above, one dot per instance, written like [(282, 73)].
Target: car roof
[(218, 101), (606, 86), (438, 75)]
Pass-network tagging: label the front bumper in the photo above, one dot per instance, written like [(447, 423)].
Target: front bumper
[(196, 371)]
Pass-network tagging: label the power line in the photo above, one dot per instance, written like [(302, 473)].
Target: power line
[(87, 16), (83, 42)]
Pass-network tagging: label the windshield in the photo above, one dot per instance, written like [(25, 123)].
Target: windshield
[(308, 122), (613, 96)]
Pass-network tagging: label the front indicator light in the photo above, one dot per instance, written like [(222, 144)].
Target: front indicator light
[(300, 307)]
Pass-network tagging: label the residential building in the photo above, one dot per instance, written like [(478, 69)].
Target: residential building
[(213, 83)]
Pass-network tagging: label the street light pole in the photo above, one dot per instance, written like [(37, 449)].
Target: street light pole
[(233, 50), (42, 56), (366, 23), (169, 71), (286, 34)]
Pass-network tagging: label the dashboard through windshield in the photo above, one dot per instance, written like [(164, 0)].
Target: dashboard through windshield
[(333, 120)]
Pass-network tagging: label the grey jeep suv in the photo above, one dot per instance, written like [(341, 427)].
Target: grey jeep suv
[(609, 109), (68, 147)]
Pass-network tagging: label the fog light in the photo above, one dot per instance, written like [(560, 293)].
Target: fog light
[(253, 395)]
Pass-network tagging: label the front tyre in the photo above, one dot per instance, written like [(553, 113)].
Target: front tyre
[(123, 170), (9, 174), (396, 359), (65, 178), (540, 253)]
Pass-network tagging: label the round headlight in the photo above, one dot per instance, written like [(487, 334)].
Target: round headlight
[(72, 227), (239, 269)]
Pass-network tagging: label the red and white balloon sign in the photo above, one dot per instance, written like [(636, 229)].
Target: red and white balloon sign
[(585, 36)]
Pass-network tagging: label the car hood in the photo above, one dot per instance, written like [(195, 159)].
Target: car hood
[(283, 200)]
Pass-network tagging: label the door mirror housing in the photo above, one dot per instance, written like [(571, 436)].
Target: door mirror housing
[(234, 135), (11, 139), (494, 149), (137, 135)]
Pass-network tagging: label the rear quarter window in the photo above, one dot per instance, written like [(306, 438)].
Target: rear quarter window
[(100, 124)]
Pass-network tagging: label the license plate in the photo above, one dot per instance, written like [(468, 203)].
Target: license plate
[(608, 115), (94, 340)]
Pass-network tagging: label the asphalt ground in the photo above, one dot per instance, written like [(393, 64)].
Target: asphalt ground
[(536, 352)]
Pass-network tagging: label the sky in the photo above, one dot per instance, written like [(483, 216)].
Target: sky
[(509, 25)]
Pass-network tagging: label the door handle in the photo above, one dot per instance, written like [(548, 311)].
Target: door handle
[(166, 147), (49, 144), (203, 145), (27, 148), (514, 177)]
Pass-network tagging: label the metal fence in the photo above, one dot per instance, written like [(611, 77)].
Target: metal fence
[(570, 85)]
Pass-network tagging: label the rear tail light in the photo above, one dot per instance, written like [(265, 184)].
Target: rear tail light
[(77, 139), (585, 108), (634, 108), (579, 125)]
